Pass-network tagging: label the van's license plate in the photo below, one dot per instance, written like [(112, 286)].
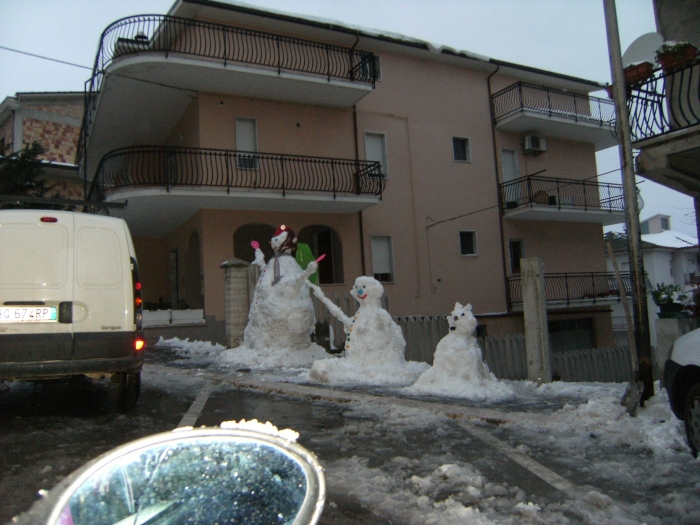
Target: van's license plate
[(28, 314)]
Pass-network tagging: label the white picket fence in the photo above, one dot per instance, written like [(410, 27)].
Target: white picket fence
[(504, 354)]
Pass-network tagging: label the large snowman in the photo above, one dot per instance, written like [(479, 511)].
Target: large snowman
[(458, 368), (281, 317), (374, 344)]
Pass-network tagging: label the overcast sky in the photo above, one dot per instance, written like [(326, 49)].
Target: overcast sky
[(566, 36)]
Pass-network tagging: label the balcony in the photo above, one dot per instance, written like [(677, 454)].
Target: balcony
[(164, 186), (573, 289), (149, 68), (665, 125), (531, 109), (540, 198)]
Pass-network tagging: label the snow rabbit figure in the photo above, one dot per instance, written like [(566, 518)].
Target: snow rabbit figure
[(282, 314), (458, 368)]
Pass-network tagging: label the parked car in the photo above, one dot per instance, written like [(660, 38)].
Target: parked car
[(70, 299), (682, 382)]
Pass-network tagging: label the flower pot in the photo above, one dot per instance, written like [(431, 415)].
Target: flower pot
[(674, 315), (670, 307), (678, 59), (636, 73)]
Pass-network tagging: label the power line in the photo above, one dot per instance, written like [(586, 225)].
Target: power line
[(187, 91), (498, 205)]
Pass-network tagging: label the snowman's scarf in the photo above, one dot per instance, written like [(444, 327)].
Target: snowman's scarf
[(278, 273)]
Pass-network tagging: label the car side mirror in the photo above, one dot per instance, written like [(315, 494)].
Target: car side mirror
[(194, 476)]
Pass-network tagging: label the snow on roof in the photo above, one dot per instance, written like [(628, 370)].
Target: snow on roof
[(364, 30), (670, 239)]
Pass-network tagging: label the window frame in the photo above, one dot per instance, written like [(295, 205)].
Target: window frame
[(475, 244), (391, 257), (511, 242), (385, 161), (467, 149), (242, 162)]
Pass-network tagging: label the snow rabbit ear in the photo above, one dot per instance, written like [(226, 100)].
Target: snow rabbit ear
[(458, 306), (468, 307)]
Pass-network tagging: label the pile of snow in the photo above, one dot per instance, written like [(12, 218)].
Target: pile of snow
[(266, 358), (193, 349), (603, 421)]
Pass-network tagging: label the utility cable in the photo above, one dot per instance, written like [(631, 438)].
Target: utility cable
[(498, 205), (186, 91)]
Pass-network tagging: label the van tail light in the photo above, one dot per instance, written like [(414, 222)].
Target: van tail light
[(138, 299), (139, 343)]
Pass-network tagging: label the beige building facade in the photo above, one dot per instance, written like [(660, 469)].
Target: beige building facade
[(54, 120), (433, 170)]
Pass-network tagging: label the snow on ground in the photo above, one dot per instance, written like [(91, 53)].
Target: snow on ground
[(627, 470)]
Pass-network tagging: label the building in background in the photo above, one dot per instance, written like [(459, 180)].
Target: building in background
[(670, 257), (434, 170), (53, 119)]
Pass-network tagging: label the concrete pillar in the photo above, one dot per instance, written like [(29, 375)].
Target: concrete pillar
[(235, 300), (535, 313)]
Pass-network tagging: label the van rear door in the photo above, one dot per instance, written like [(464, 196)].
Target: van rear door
[(36, 285), (103, 309)]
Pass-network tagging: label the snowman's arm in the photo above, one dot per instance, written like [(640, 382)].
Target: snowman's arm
[(300, 279), (332, 307), (259, 258)]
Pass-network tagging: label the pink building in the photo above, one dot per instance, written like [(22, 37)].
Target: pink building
[(431, 169)]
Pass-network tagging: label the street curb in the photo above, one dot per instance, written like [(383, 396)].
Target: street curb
[(315, 393)]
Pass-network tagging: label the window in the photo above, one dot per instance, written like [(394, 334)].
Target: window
[(375, 149), (467, 243), (382, 258), (246, 140), (644, 227), (509, 159), (366, 68), (571, 334), (2, 147), (460, 149), (664, 223), (517, 252)]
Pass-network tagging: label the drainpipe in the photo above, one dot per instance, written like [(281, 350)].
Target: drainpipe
[(498, 188), (634, 239), (359, 213)]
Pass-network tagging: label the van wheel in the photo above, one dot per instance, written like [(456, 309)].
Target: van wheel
[(692, 418), (128, 388)]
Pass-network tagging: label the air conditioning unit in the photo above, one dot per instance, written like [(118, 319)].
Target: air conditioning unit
[(534, 145)]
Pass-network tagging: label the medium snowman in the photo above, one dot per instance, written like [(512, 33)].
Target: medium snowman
[(282, 313), (374, 344)]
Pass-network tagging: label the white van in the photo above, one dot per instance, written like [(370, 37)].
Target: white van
[(70, 299)]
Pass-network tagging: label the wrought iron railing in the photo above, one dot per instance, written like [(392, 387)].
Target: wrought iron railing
[(668, 101), (561, 193), (567, 287), (522, 96), (170, 167), (223, 44)]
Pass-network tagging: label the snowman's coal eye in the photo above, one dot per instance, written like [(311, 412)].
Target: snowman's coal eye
[(462, 314)]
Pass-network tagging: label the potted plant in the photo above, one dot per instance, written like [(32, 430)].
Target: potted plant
[(670, 300), (675, 55), (638, 72)]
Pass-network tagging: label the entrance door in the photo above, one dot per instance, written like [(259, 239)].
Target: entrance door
[(512, 193)]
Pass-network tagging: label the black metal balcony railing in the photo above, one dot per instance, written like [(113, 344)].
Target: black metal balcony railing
[(562, 193), (224, 44), (551, 102), (666, 102), (567, 287), (174, 167)]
